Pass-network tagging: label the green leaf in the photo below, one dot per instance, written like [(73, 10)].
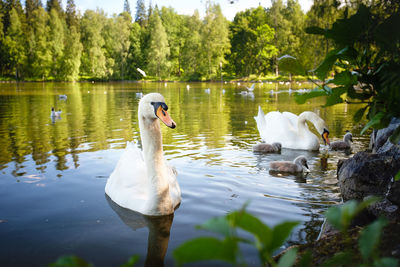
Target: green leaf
[(280, 233), (335, 96), (291, 64), (206, 248), (345, 78), (395, 137), (347, 31), (340, 216), (70, 261), (339, 259), (397, 177), (302, 98), (374, 121), (387, 34), (333, 215), (131, 262), (315, 30), (322, 70), (359, 114), (218, 225), (369, 237), (386, 262), (288, 259), (252, 225), (305, 260)]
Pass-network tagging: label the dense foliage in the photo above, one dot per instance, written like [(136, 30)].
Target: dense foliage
[(364, 62), (48, 43)]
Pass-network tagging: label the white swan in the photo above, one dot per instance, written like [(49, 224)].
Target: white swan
[(291, 130), (143, 181), (55, 114)]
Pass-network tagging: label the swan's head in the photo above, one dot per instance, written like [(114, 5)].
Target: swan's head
[(325, 136), (301, 160), (277, 146), (348, 137), (152, 106), (319, 124)]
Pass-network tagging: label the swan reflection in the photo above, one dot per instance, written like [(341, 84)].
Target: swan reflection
[(159, 231)]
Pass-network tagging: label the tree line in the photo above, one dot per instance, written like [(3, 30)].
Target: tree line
[(48, 43)]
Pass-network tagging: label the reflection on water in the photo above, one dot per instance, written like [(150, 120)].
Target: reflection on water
[(159, 230), (53, 172)]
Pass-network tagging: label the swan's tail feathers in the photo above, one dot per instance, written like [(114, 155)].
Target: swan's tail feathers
[(261, 124)]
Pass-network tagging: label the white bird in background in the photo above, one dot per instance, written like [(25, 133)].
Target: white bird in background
[(55, 114), (62, 97), (188, 86), (251, 88), (139, 95), (141, 72), (207, 91)]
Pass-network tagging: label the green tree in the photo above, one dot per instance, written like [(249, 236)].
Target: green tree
[(251, 42), (322, 14), (191, 50), (14, 43), (116, 36), (93, 62), (215, 40), (135, 55), (158, 49), (30, 6), (56, 42), (39, 55), (172, 23), (54, 4), (71, 60), (140, 16), (71, 17), (127, 7)]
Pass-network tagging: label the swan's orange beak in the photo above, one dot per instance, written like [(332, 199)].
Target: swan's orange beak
[(163, 115), (325, 136)]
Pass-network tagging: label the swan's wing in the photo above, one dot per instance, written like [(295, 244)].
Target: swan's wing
[(261, 124), (292, 118), (277, 127), (129, 179), (174, 188)]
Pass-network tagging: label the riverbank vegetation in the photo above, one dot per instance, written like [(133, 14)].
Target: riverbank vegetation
[(45, 42)]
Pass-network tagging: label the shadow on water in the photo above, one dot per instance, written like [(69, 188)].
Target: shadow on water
[(159, 231)]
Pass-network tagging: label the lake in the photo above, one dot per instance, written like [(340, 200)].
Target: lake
[(53, 172)]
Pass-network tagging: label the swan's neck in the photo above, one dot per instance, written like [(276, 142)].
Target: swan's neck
[(150, 133), (346, 139)]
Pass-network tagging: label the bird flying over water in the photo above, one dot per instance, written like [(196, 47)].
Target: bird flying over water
[(141, 72)]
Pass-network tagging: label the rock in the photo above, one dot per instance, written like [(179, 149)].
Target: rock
[(379, 142), (367, 174), (394, 193)]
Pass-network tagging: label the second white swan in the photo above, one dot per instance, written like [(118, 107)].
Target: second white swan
[(291, 130)]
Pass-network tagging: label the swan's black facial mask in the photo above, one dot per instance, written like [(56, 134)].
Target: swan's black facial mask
[(160, 110), (325, 135)]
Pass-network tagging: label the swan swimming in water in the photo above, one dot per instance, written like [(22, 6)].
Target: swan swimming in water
[(288, 166), (54, 113), (342, 145), (291, 130), (142, 180), (267, 148)]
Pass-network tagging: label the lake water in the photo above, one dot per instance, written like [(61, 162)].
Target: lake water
[(53, 172)]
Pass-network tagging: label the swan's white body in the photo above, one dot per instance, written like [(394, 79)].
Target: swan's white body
[(289, 129), (142, 180)]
